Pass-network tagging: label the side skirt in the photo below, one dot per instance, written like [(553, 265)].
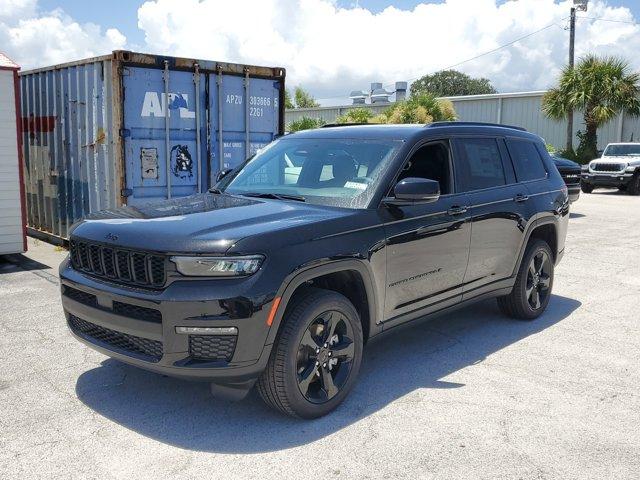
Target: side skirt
[(431, 312)]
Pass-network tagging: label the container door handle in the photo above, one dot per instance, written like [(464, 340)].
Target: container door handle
[(521, 197)]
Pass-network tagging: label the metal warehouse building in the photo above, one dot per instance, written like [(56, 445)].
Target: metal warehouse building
[(521, 109)]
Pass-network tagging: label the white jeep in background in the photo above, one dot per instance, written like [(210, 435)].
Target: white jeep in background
[(619, 167)]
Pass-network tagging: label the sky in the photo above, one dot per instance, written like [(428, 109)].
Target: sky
[(331, 47)]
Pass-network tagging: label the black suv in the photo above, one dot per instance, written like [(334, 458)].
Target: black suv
[(326, 238)]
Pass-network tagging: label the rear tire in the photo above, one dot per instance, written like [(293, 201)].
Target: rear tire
[(317, 357), (634, 185), (534, 283), (586, 188)]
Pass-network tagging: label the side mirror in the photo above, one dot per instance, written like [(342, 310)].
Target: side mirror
[(223, 173), (414, 190)]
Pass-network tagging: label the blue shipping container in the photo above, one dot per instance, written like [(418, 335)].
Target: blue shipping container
[(131, 128)]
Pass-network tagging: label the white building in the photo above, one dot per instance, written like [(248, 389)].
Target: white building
[(521, 109), (12, 211)]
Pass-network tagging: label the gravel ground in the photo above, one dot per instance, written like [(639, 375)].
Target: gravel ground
[(468, 395)]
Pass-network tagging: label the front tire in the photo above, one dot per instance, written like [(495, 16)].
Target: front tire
[(317, 357), (534, 282), (586, 188), (634, 186)]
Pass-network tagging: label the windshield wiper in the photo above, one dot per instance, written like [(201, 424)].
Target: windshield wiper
[(275, 196)]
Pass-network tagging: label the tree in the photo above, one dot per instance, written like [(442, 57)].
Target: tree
[(304, 99), (599, 86), (449, 83), (288, 103), (305, 123)]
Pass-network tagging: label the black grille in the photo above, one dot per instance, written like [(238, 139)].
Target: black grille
[(212, 347), (137, 312), (151, 349), (571, 178), (124, 266), (608, 167), (80, 297)]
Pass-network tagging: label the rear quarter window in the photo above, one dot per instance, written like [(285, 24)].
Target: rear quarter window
[(527, 161)]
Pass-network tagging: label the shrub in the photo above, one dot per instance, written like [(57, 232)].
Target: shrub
[(305, 123), (356, 115), (423, 108)]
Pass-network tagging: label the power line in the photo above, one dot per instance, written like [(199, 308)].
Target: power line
[(472, 58), (600, 19)]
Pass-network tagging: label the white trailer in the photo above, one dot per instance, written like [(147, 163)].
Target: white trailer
[(12, 205)]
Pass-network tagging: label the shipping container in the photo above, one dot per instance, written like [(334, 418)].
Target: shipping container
[(131, 128), (12, 203)]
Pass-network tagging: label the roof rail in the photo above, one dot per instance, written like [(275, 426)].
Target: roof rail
[(331, 125), (472, 124)]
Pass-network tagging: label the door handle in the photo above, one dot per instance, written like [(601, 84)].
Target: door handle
[(521, 197), (456, 210)]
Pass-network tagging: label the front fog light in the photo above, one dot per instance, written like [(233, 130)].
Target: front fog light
[(218, 266)]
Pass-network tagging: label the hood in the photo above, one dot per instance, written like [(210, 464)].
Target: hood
[(630, 160), (565, 162), (206, 223)]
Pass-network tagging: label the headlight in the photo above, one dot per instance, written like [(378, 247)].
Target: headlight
[(631, 169), (218, 266)]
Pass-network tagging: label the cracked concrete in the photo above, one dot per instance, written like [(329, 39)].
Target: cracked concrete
[(469, 395)]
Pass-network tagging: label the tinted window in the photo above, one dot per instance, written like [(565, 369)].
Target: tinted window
[(479, 164), (526, 160), (430, 162)]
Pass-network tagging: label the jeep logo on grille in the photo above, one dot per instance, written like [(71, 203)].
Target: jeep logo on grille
[(111, 236)]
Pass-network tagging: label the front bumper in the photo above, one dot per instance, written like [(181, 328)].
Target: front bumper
[(574, 191), (606, 179), (120, 322)]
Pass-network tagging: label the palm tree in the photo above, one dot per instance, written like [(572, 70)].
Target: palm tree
[(599, 86)]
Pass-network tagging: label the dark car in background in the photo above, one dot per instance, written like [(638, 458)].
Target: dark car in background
[(325, 239), (570, 172)]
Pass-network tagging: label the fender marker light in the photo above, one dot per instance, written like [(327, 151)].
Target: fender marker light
[(272, 312)]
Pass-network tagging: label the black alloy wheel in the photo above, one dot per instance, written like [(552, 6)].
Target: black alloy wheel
[(539, 279), (325, 356)]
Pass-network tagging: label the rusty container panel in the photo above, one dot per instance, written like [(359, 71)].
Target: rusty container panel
[(70, 140)]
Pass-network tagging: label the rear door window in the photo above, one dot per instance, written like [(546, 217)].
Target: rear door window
[(478, 164), (526, 160)]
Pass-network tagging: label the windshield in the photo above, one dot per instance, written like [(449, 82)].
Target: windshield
[(622, 150), (336, 172)]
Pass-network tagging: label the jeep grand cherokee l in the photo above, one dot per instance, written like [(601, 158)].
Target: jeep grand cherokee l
[(325, 239)]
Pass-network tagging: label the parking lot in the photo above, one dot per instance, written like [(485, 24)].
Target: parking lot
[(468, 395)]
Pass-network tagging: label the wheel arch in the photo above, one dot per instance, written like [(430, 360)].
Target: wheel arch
[(328, 276), (545, 228)]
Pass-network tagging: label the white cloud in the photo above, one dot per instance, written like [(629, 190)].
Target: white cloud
[(33, 38), (332, 50)]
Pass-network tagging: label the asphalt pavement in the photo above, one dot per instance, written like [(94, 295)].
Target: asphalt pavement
[(468, 395)]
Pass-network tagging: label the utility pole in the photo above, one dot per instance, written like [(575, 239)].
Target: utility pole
[(580, 5), (572, 40)]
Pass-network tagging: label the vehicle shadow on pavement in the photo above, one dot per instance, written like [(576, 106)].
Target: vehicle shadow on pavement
[(185, 415)]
